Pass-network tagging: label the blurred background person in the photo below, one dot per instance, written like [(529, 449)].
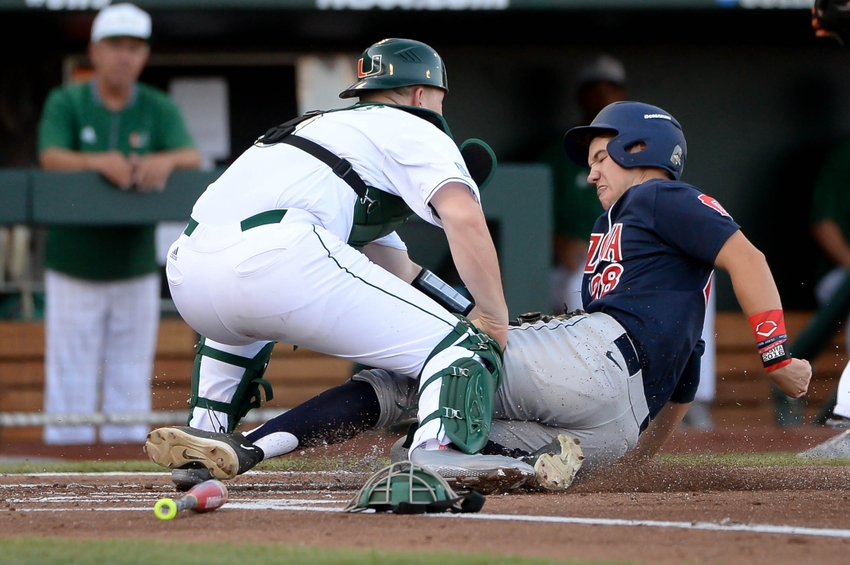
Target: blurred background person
[(599, 82), (102, 287)]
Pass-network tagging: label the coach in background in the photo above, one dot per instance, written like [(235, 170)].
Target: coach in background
[(102, 285)]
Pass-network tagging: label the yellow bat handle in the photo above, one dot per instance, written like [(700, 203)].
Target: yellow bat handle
[(167, 508)]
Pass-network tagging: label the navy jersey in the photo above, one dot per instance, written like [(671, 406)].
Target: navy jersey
[(649, 266)]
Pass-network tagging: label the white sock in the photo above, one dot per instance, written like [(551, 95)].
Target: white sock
[(276, 444)]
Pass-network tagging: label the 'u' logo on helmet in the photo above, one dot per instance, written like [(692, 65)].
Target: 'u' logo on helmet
[(374, 67)]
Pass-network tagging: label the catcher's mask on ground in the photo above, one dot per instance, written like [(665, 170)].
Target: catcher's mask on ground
[(406, 488), (393, 63)]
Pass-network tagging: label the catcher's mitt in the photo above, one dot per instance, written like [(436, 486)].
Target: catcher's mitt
[(480, 161), (831, 18), (534, 317)]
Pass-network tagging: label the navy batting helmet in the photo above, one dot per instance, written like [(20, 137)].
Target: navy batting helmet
[(632, 123), (393, 63)]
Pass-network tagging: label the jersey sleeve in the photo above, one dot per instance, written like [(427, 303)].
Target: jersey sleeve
[(692, 221), (56, 129), (686, 388), (421, 160)]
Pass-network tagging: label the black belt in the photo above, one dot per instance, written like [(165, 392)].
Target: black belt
[(261, 219), (627, 348)]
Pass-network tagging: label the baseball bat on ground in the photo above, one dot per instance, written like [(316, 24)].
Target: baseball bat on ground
[(203, 497)]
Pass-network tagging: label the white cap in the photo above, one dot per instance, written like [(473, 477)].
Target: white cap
[(121, 20), (602, 67)]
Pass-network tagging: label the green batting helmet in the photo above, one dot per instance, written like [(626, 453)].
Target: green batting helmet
[(393, 63)]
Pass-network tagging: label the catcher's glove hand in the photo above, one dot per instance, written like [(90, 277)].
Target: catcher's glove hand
[(831, 18), (534, 317)]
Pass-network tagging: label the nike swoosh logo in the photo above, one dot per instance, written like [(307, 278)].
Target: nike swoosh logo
[(243, 446), (610, 355), (191, 457)]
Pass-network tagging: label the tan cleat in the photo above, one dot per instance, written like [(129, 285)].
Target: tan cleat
[(556, 471), (223, 455)]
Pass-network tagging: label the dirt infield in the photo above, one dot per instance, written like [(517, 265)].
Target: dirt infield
[(665, 514)]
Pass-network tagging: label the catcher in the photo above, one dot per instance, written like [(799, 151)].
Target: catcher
[(295, 242), (618, 377)]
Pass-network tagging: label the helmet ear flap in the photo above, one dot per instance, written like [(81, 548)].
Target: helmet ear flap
[(633, 123), (635, 146)]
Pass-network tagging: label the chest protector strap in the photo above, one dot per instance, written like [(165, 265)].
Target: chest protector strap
[(375, 215), (341, 167)]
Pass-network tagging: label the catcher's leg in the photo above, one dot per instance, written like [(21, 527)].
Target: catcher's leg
[(333, 416), (226, 383), (456, 407), (336, 415), (456, 390)]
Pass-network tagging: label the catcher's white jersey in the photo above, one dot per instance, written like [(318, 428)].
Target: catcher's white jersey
[(292, 278), (391, 150)]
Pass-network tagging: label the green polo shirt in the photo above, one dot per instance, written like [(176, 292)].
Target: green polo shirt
[(74, 118)]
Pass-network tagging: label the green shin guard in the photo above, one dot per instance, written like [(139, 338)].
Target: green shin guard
[(467, 389), (247, 395)]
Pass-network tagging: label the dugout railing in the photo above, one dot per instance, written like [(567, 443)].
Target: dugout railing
[(516, 202)]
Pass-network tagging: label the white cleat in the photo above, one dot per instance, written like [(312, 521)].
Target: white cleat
[(486, 473)]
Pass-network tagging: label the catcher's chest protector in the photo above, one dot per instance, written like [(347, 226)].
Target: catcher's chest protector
[(376, 213)]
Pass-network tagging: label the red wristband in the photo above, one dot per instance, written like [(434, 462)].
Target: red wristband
[(771, 338)]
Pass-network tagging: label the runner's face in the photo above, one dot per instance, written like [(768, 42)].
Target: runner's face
[(610, 178)]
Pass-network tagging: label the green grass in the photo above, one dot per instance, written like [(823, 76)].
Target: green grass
[(314, 464), (298, 464), (51, 551), (28, 467)]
